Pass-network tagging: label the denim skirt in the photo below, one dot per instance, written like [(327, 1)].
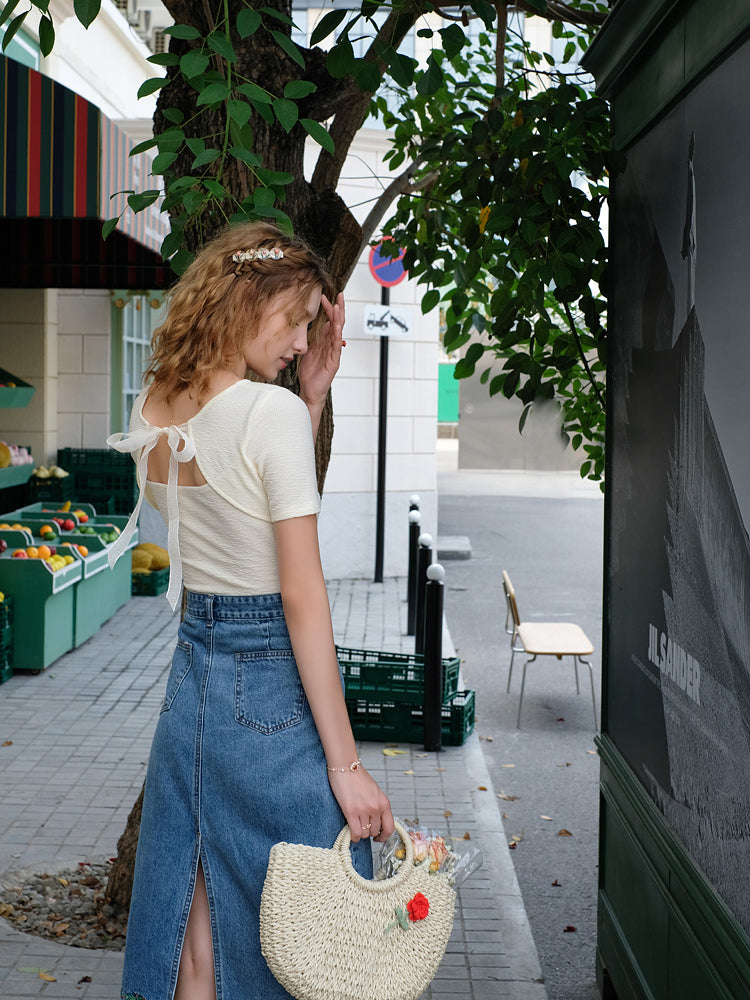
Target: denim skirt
[(236, 766)]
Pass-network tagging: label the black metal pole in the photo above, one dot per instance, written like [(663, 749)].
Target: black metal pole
[(385, 299), (411, 583), (424, 558), (433, 659)]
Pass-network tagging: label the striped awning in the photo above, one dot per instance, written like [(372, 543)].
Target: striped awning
[(61, 161)]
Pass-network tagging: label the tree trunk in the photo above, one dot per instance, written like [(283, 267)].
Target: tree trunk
[(120, 882)]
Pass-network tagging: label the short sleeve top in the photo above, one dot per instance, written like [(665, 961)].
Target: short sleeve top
[(253, 444)]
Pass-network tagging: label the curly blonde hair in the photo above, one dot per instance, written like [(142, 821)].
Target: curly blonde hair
[(218, 301)]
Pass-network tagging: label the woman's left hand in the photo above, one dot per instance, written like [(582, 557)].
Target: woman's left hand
[(318, 367)]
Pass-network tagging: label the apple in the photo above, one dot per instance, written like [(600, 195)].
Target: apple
[(68, 524), (20, 554), (3, 545)]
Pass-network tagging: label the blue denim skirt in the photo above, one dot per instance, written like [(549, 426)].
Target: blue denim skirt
[(236, 766)]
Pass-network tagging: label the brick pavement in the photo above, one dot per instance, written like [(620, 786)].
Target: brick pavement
[(79, 738)]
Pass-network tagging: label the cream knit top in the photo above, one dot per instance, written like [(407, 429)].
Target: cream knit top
[(253, 444)]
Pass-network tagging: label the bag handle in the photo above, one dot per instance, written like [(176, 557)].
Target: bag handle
[(343, 843)]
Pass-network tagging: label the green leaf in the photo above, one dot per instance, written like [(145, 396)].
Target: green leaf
[(430, 300), (195, 144), (274, 178), (142, 200), (181, 261), (245, 156), (164, 59), (214, 187), (264, 197), (239, 111), (214, 93), (277, 14), (454, 40), (8, 10), (151, 86), (86, 10), (46, 35), (222, 46), (340, 60), (193, 63), (286, 112), (297, 89), (368, 76), (171, 243), (204, 158), (317, 132), (162, 162), (429, 82), (13, 27), (174, 115), (185, 31), (107, 228), (193, 200), (255, 93), (285, 43), (327, 24), (248, 22), (401, 69)]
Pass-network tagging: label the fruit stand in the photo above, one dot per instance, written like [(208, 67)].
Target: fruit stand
[(56, 568)]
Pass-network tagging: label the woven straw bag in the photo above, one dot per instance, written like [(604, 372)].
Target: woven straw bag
[(329, 934)]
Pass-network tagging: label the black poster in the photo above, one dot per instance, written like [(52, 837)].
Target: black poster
[(679, 570)]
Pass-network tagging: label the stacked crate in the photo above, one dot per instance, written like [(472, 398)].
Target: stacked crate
[(6, 639), (385, 695), (104, 476)]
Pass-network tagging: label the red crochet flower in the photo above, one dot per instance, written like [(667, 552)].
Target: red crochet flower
[(418, 907)]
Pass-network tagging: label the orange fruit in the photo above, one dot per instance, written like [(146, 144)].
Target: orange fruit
[(83, 550), (43, 552), (32, 551)]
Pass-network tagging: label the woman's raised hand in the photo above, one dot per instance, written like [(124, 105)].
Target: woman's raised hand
[(318, 367), (364, 804)]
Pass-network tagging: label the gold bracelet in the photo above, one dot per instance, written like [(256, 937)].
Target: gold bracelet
[(354, 766)]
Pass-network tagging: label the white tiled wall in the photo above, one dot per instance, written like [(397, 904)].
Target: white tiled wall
[(84, 354)]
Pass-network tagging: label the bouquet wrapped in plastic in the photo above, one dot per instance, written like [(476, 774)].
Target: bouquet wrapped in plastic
[(453, 858)]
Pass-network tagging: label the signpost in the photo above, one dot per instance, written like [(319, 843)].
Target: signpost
[(387, 271)]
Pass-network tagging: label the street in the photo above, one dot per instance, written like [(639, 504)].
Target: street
[(547, 772)]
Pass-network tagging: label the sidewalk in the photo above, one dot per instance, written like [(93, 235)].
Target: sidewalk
[(73, 748)]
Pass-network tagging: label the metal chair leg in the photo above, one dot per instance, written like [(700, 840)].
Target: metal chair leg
[(593, 695), (575, 667), (523, 682), (510, 672)]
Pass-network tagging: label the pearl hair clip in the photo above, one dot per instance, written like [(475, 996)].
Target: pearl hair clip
[(263, 254)]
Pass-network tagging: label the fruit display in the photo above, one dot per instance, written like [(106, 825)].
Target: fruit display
[(148, 557), (54, 561), (53, 472), (14, 454)]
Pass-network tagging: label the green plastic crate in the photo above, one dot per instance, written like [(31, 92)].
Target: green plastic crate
[(402, 723), (150, 584), (6, 668), (43, 605), (102, 474), (384, 676), (6, 612), (51, 488)]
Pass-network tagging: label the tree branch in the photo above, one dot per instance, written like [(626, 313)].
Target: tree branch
[(558, 10), (350, 119), (584, 359), (398, 186)]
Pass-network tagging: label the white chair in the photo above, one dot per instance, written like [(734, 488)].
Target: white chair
[(544, 639)]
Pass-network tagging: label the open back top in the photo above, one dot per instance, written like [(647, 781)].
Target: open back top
[(253, 445)]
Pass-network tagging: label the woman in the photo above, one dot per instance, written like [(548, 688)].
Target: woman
[(253, 744)]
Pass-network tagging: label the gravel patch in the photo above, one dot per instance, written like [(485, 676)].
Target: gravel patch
[(64, 905)]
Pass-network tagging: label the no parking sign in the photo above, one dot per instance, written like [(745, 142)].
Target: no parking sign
[(386, 270)]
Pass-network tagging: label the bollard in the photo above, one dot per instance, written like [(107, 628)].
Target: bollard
[(433, 658), (424, 558), (411, 584)]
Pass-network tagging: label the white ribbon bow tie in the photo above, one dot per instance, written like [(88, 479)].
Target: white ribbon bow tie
[(145, 440)]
